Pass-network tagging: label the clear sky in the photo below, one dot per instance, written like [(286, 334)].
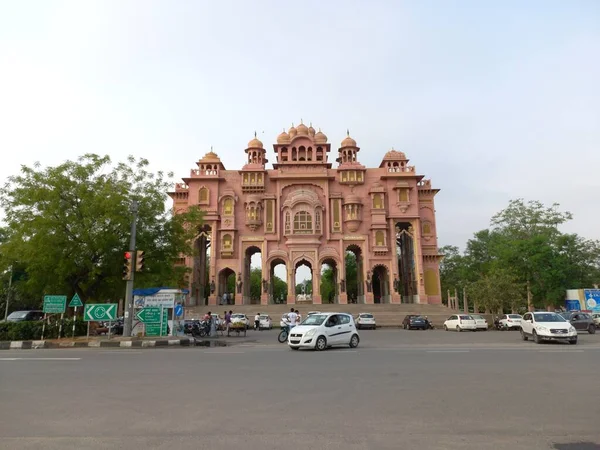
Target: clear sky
[(491, 100)]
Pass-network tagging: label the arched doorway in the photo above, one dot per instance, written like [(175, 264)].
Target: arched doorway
[(330, 285), (381, 285), (252, 276), (407, 286), (200, 274), (355, 283), (226, 287), (278, 287), (303, 278)]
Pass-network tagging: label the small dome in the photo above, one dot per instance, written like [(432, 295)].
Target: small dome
[(283, 138), (395, 155), (320, 137), (211, 156), (311, 131), (353, 198), (348, 141), (292, 131), (302, 130), (255, 143)]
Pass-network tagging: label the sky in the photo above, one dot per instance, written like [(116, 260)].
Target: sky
[(490, 100)]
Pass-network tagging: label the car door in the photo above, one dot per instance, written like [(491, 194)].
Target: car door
[(577, 322), (347, 328), (527, 323), (452, 322), (333, 329)]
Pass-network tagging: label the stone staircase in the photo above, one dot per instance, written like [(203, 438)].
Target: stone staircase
[(386, 315)]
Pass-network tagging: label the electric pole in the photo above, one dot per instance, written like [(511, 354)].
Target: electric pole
[(128, 325), (8, 293)]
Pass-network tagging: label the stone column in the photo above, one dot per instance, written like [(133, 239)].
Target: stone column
[(316, 287), (291, 297)]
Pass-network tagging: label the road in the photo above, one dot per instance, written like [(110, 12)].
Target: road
[(399, 389)]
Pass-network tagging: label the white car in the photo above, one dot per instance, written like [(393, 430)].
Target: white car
[(235, 318), (283, 321), (596, 317), (547, 326), (365, 320), (319, 331), (480, 322), (265, 322), (511, 321), (310, 313), (460, 322)]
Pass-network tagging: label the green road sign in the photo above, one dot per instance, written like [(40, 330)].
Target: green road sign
[(75, 302), (55, 304), (100, 312), (148, 315), (154, 329)]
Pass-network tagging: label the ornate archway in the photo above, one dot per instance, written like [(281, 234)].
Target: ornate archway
[(381, 284)]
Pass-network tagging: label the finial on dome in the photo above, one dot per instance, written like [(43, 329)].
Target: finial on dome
[(347, 132), (255, 134), (301, 121)]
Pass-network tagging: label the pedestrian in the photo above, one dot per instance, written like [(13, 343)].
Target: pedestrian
[(299, 318), (292, 318), (257, 321), (228, 320)]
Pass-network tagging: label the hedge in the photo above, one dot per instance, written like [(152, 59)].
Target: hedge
[(28, 331)]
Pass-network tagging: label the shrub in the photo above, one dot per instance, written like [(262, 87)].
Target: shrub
[(28, 331)]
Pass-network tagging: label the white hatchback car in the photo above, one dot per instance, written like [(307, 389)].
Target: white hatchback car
[(547, 326), (511, 321), (243, 318), (365, 320), (480, 321), (319, 331), (265, 322), (460, 322)]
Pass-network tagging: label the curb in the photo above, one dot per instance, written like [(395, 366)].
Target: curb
[(28, 345)]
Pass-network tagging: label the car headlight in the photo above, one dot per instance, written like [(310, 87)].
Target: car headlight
[(572, 330), (540, 328), (311, 332)]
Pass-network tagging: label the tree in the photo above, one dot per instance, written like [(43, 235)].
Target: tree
[(327, 285), (69, 225), (351, 275), (255, 284), (452, 270), (497, 291), (279, 289)]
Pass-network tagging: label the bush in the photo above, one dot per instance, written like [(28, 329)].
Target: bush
[(28, 331)]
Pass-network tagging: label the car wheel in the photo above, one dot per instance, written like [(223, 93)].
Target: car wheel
[(536, 338), (592, 329), (321, 343), (354, 340), (523, 335), (458, 329), (445, 328), (573, 341)]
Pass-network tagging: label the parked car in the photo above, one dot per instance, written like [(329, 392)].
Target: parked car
[(580, 320), (365, 320), (265, 322), (596, 317), (236, 318), (547, 326), (460, 322), (511, 321), (320, 331), (25, 316), (480, 322), (310, 313), (413, 321)]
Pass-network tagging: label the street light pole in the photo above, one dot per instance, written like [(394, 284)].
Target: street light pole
[(8, 293), (128, 323)]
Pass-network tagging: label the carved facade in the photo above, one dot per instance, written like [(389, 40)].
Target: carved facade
[(303, 211)]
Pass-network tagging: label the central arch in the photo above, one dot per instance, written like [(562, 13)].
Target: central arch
[(252, 276), (303, 289), (278, 287), (405, 252), (355, 282), (200, 272), (330, 284), (226, 287), (381, 284)]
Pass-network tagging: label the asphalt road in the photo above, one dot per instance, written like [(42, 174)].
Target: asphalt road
[(398, 390)]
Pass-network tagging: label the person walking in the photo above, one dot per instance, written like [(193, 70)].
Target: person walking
[(228, 320), (257, 321), (292, 319)]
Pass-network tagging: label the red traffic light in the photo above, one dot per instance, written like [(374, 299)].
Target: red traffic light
[(127, 255)]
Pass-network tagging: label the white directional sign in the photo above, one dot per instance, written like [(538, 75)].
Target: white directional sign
[(100, 312)]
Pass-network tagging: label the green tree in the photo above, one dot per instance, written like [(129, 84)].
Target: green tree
[(255, 284), (497, 291), (351, 275), (327, 284), (68, 227)]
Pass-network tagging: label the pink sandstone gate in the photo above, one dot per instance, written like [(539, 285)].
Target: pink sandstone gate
[(304, 210)]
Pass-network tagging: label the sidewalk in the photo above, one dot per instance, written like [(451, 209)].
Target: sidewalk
[(96, 342)]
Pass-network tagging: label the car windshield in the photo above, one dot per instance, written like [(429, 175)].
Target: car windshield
[(314, 319), (17, 315), (417, 318), (366, 316), (549, 317), (477, 317), (514, 316), (466, 318), (238, 316), (264, 317)]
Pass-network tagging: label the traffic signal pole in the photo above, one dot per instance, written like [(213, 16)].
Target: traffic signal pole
[(128, 325)]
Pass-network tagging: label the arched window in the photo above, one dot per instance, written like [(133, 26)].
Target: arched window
[(426, 228), (318, 221), (403, 195), (287, 222), (227, 242), (302, 222), (377, 201), (379, 238), (203, 195), (228, 207)]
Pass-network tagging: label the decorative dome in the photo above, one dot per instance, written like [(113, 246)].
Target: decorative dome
[(283, 138), (348, 141), (320, 137), (292, 131), (311, 130), (255, 143), (394, 155), (353, 198), (302, 130), (212, 156)]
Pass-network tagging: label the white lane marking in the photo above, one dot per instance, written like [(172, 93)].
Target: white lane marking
[(40, 359), (217, 352), (561, 351), (121, 352), (448, 351)]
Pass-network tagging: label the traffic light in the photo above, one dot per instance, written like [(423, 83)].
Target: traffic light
[(127, 266), (140, 258)]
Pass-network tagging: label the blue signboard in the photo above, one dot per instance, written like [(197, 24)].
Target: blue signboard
[(592, 299), (573, 305), (178, 310)]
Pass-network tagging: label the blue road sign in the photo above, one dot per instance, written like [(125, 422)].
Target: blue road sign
[(178, 310), (592, 299)]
